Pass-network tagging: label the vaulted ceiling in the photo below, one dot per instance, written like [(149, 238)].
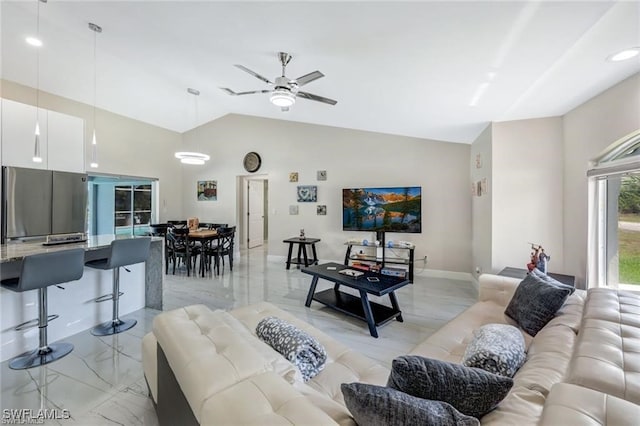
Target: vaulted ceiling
[(437, 70)]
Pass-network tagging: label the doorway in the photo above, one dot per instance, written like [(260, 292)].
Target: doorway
[(254, 211)]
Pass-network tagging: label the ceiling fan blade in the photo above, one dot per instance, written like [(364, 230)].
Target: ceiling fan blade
[(232, 93), (253, 73), (308, 78), (313, 97)]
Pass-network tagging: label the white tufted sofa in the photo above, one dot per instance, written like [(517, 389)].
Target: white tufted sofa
[(583, 368)]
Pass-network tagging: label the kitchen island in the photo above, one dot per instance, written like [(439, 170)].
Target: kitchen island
[(75, 303)]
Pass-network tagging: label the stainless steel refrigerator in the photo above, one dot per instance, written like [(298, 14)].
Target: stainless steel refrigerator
[(42, 202)]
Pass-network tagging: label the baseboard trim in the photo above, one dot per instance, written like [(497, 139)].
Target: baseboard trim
[(452, 275)]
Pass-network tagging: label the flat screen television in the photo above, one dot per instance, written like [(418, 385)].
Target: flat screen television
[(397, 209)]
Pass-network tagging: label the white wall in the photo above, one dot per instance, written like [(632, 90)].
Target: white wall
[(527, 191), (352, 159), (125, 146), (481, 168), (588, 130)]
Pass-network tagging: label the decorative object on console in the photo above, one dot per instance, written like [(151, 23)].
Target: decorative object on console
[(321, 210), (397, 209), (472, 391), (373, 405), (252, 162), (293, 210), (539, 258), (297, 346), (497, 348), (535, 302), (293, 177), (322, 175), (207, 190), (307, 193), (302, 237)]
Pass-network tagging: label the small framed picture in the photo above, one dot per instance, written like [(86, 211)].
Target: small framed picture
[(321, 210), (307, 193), (293, 177), (293, 210), (322, 175)]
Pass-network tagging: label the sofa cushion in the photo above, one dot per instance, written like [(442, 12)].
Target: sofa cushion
[(344, 365), (535, 303), (471, 391), (450, 341), (609, 343), (497, 348), (575, 405), (373, 405), (264, 399)]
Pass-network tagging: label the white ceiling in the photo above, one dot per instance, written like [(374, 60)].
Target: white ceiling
[(408, 68)]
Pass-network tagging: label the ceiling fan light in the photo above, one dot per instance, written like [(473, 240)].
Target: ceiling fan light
[(192, 157), (282, 98)]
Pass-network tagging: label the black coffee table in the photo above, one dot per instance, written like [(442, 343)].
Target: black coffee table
[(373, 313)]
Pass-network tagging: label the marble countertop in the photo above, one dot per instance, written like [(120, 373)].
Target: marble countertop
[(16, 250)]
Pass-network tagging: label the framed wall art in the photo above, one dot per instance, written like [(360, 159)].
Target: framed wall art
[(307, 193), (207, 190), (293, 177), (321, 210)]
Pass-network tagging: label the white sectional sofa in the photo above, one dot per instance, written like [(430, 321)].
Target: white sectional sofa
[(208, 367)]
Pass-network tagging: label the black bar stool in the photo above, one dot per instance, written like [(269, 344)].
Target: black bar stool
[(38, 272), (121, 253)]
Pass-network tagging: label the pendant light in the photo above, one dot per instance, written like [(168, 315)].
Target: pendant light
[(37, 158), (196, 158), (94, 144)]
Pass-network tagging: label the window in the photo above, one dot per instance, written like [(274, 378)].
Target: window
[(132, 209), (615, 228)]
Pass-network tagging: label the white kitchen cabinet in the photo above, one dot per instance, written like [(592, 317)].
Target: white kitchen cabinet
[(61, 138), (66, 142), (18, 135)]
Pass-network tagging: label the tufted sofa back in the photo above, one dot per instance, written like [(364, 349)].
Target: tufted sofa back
[(609, 343)]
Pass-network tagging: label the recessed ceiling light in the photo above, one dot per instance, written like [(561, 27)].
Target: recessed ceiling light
[(33, 41), (623, 55)]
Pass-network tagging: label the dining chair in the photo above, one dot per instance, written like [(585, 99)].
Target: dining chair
[(178, 247), (224, 248)]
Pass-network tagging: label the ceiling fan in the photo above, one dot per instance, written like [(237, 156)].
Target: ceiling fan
[(285, 90)]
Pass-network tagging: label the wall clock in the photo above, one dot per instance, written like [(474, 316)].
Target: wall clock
[(252, 162)]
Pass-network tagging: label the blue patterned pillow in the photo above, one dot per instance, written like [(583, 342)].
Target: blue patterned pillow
[(535, 302), (471, 391), (372, 405), (497, 348)]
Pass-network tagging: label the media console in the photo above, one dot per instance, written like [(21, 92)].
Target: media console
[(375, 257)]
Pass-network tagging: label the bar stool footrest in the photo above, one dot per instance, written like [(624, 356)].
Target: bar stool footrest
[(106, 297), (113, 327), (38, 357), (34, 323)]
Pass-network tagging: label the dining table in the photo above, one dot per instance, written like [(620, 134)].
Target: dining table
[(205, 237)]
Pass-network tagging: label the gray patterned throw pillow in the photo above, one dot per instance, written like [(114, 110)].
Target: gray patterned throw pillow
[(471, 391), (497, 348), (535, 303), (372, 405)]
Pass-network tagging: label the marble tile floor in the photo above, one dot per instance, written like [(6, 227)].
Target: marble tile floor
[(101, 382)]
